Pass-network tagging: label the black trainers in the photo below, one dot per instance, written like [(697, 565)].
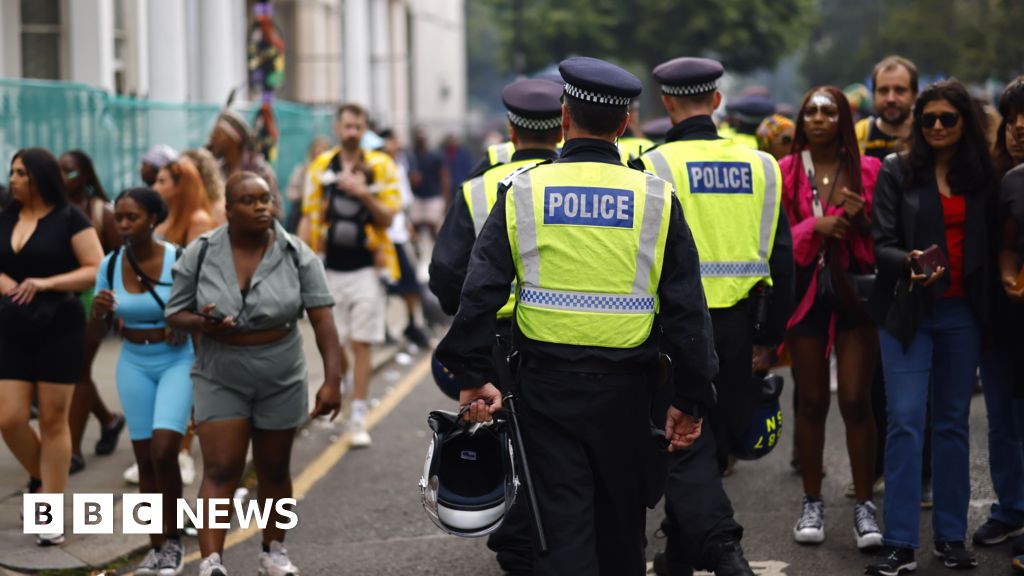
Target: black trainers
[(109, 436), (955, 555), (892, 561), (731, 561), (77, 464), (416, 335), (994, 532), (662, 568)]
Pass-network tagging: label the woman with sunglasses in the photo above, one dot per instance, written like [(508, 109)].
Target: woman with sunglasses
[(827, 192), (153, 379), (86, 191), (243, 287), (934, 208)]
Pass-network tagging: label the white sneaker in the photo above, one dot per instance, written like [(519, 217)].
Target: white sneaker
[(211, 566), (865, 526), (188, 468), (276, 562), (131, 475), (44, 540), (810, 529), (172, 558), (358, 436)]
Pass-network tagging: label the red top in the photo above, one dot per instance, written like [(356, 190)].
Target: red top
[(954, 214)]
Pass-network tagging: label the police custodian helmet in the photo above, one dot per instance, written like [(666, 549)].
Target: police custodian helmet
[(765, 428), (469, 480)]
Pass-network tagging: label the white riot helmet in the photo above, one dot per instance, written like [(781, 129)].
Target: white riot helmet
[(469, 480)]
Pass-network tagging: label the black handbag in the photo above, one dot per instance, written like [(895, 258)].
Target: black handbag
[(861, 284)]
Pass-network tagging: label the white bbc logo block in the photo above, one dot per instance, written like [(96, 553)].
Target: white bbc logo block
[(42, 514), (93, 514), (142, 514)]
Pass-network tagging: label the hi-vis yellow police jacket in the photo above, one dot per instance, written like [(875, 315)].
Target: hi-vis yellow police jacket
[(500, 153), (588, 241), (631, 147), (480, 194), (731, 198)]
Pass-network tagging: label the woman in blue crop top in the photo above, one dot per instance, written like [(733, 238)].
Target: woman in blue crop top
[(153, 370)]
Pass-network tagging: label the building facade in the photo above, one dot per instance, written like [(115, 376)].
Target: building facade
[(403, 59)]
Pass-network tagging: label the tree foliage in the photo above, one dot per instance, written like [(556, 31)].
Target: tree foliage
[(743, 34), (973, 40)]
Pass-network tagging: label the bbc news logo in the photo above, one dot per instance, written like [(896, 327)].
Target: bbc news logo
[(144, 513)]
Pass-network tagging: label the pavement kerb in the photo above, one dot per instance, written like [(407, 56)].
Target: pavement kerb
[(92, 552)]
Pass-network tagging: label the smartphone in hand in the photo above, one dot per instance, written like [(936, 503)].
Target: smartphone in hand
[(215, 318)]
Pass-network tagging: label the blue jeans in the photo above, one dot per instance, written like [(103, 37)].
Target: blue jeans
[(1005, 440), (945, 349)]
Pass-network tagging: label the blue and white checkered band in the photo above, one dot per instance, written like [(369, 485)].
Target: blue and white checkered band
[(534, 123), (689, 89), (594, 97)]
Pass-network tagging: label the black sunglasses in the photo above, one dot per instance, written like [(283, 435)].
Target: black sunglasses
[(948, 119)]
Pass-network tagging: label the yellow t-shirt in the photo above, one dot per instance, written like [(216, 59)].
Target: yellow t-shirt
[(384, 186)]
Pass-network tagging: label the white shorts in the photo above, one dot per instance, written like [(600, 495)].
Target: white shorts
[(359, 305), (428, 211)]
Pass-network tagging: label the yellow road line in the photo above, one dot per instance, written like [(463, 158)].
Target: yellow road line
[(317, 469)]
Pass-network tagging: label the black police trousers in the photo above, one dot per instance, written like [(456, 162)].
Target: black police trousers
[(737, 392), (586, 436), (698, 512)]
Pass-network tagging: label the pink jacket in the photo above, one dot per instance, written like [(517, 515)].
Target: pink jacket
[(796, 200)]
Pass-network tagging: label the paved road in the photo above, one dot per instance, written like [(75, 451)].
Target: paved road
[(363, 517)]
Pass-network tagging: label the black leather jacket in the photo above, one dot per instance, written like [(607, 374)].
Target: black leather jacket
[(906, 218)]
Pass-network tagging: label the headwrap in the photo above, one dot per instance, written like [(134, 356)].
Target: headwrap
[(770, 128)]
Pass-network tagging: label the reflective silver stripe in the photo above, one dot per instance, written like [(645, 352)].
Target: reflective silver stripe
[(661, 167), (586, 301), (735, 269), (478, 192), (502, 155), (654, 206), (526, 227), (771, 198)]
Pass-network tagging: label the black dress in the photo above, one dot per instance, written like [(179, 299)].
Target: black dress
[(42, 341)]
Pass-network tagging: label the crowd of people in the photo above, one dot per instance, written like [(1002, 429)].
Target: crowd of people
[(904, 233)]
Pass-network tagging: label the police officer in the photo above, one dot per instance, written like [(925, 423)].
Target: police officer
[(534, 111), (633, 142), (535, 124), (604, 263), (731, 196), (745, 115)]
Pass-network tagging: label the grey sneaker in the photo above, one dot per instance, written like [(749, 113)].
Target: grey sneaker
[(810, 528), (865, 526), (276, 562), (172, 558), (211, 566), (150, 565)]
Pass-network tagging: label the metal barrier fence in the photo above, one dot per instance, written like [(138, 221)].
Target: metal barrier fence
[(116, 131)]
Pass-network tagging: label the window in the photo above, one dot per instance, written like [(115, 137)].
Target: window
[(41, 39)]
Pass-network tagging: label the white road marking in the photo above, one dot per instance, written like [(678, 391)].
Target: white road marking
[(762, 568)]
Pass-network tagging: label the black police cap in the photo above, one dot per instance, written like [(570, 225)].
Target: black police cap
[(751, 109), (598, 82), (533, 104), (688, 76)]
